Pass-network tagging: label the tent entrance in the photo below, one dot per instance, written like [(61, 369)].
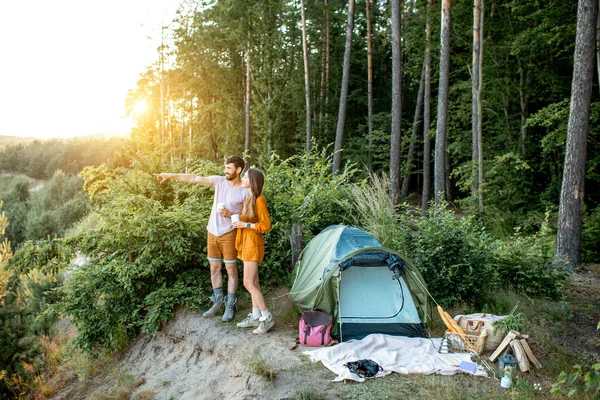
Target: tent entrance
[(371, 301), (370, 293)]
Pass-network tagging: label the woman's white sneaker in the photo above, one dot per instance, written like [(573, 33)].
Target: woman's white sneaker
[(264, 325), (249, 322)]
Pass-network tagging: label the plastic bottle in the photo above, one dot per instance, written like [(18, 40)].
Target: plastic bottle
[(506, 382)]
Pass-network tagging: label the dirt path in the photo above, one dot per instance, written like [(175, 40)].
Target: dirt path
[(35, 185), (583, 294)]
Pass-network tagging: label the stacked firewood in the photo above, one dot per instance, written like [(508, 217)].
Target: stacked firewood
[(520, 348)]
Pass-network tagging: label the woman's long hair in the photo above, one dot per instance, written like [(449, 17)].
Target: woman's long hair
[(257, 181)]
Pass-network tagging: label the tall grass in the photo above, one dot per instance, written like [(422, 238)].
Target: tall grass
[(373, 211)]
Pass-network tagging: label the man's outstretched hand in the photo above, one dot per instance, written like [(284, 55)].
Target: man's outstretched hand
[(163, 176)]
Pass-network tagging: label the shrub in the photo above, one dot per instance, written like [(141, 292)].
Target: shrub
[(525, 263), (452, 254), (143, 259)]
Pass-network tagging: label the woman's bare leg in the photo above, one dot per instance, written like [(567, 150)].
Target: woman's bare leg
[(252, 286)]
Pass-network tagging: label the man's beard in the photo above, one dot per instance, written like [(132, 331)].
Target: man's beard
[(231, 176)]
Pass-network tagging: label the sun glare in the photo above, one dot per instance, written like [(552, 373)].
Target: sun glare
[(140, 108)]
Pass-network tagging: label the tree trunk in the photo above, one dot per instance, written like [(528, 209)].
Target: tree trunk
[(369, 85), (306, 79), (162, 112), (182, 133), (447, 169), (327, 54), (442, 110), (269, 119), (413, 138), (215, 143), (568, 238), (247, 109), (523, 100), (296, 243), (396, 102), (190, 136), (480, 111), (598, 44), (171, 136), (427, 113), (322, 86), (339, 131), (476, 159)]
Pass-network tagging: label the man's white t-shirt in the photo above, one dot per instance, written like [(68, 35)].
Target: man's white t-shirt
[(233, 197)]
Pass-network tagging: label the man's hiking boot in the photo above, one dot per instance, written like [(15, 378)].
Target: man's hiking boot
[(218, 302), (264, 325), (249, 322), (229, 310)]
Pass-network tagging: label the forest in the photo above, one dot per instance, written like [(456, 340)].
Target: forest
[(452, 132)]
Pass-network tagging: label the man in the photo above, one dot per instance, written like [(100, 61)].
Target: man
[(221, 234)]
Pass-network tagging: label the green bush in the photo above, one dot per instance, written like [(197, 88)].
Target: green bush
[(584, 382), (141, 253), (453, 256), (46, 213), (451, 253), (525, 264)]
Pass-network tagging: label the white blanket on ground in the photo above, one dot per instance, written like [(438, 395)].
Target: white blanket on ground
[(393, 353)]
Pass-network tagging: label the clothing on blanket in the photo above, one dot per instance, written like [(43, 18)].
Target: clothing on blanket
[(399, 354), (364, 368)]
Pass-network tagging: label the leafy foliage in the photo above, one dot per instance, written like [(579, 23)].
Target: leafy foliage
[(453, 256), (586, 382), (146, 243), (142, 255), (25, 318)]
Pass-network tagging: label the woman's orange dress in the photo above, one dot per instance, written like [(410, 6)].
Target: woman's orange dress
[(249, 242)]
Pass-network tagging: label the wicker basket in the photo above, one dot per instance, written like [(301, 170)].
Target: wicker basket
[(458, 343), (474, 322)]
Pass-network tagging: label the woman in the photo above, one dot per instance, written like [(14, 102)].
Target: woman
[(254, 221)]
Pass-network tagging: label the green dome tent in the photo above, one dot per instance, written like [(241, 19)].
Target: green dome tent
[(366, 287)]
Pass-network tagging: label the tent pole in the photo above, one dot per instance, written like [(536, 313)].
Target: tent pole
[(339, 306)]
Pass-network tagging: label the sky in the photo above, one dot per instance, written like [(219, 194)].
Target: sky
[(66, 65)]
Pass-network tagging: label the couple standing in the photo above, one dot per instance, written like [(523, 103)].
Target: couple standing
[(241, 196)]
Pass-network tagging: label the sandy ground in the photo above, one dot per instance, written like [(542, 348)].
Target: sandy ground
[(193, 357)]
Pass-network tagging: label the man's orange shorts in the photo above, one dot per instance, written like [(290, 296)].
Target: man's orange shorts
[(222, 248)]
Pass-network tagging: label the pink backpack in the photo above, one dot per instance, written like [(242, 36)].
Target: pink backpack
[(315, 328)]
